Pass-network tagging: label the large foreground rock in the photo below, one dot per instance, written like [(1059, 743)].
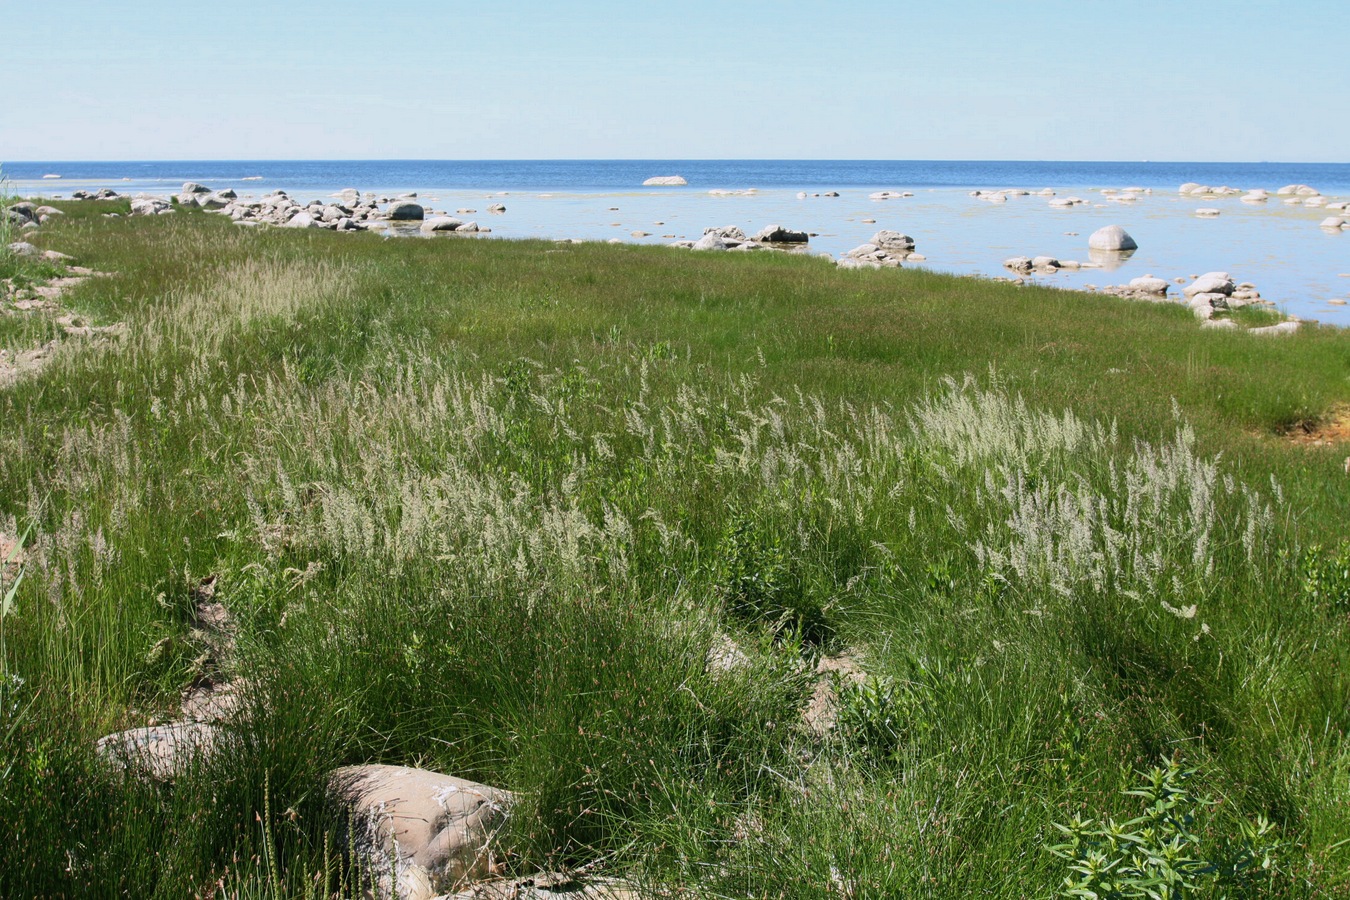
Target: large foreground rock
[(665, 181), (439, 832), (1112, 237)]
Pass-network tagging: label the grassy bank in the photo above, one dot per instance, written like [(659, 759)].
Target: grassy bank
[(486, 507)]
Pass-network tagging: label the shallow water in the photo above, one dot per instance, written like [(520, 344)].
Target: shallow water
[(1276, 246)]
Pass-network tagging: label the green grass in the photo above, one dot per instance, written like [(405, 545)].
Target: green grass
[(485, 507)]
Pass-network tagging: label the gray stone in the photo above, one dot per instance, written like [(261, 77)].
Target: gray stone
[(404, 211), (192, 187), (1149, 285), (893, 241), (23, 248), (777, 234), (710, 241), (1113, 238), (441, 223), (1018, 263), (303, 220), (1044, 262), (728, 233), (1283, 328), (665, 181), (160, 752), (1210, 283)]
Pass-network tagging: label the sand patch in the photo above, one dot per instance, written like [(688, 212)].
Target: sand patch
[(1333, 428)]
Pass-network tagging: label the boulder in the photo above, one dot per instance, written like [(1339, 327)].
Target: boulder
[(160, 752), (665, 181), (1283, 328), (729, 233), (192, 187), (441, 223), (1210, 283), (1018, 263), (777, 234), (468, 228), (893, 241), (211, 201), (23, 248), (497, 208), (1149, 285), (303, 220), (710, 241), (404, 211), (1044, 262), (1113, 238), (1334, 222), (421, 833), (149, 206)]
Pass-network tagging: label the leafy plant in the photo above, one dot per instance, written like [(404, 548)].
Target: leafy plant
[(1159, 854), (758, 582), (1326, 577)]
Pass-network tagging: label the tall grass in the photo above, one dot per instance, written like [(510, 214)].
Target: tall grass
[(493, 508)]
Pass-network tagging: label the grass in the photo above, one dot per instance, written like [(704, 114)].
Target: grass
[(485, 507)]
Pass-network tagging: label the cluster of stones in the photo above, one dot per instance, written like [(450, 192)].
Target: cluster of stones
[(100, 194), (730, 237), (889, 195), (802, 195), (1044, 264), (21, 297), (1291, 194), (886, 249), (27, 216)]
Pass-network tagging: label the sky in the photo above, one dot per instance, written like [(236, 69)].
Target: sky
[(1184, 80)]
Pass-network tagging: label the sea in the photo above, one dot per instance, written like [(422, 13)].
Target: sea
[(1276, 245)]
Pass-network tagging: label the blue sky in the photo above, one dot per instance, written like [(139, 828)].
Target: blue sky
[(1194, 80)]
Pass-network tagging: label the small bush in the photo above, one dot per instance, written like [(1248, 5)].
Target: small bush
[(1159, 854), (1326, 577)]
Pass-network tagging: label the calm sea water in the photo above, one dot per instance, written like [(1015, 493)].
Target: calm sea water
[(1278, 247)]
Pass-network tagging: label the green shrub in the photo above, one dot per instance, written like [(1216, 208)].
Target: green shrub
[(1326, 577), (1160, 854)]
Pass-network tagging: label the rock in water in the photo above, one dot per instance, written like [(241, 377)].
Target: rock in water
[(442, 223), (665, 181), (1112, 237), (777, 234), (893, 241), (404, 211), (1210, 283), (1148, 285)]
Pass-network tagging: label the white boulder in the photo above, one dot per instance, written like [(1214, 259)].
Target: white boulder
[(1111, 237), (1211, 283)]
